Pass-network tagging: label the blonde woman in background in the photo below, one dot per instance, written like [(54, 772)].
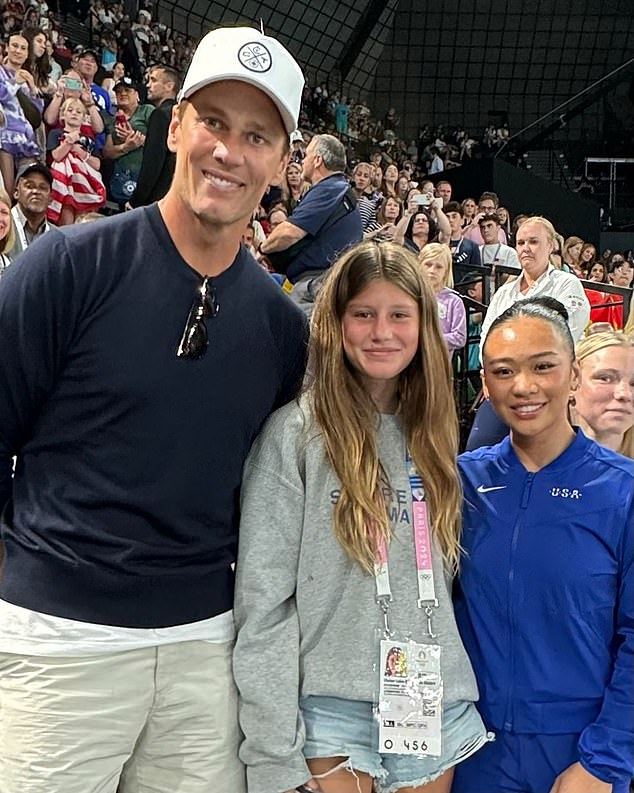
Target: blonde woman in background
[(535, 241), (328, 501), (7, 231), (603, 404)]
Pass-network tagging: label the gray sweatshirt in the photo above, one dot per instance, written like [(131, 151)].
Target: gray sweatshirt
[(307, 617)]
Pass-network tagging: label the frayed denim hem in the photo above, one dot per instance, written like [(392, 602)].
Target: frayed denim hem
[(465, 752), (378, 774)]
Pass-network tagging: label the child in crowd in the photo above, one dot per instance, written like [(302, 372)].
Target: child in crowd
[(77, 183), (436, 261)]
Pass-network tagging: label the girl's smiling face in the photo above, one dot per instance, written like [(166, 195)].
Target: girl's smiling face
[(528, 376)]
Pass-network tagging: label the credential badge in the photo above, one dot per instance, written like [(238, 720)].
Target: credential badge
[(255, 57)]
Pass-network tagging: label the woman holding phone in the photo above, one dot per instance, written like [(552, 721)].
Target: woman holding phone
[(423, 221)]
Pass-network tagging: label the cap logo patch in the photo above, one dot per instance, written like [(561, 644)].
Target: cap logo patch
[(255, 57)]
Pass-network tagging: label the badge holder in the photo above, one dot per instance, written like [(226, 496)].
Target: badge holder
[(408, 703), (409, 695)]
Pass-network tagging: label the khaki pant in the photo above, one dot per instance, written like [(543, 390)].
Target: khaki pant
[(157, 720)]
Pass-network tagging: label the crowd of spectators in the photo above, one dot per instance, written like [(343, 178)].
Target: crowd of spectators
[(82, 119), (143, 357), (42, 69), (436, 148), (78, 123)]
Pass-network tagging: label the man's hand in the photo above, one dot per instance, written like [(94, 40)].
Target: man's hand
[(575, 779)]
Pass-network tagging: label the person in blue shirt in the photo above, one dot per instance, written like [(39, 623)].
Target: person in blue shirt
[(326, 221), (545, 599)]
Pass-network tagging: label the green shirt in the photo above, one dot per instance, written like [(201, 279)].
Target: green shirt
[(139, 122)]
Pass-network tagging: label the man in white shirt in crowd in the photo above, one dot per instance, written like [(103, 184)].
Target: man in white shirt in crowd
[(493, 251)]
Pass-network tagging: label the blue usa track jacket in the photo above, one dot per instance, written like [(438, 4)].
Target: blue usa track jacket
[(545, 597)]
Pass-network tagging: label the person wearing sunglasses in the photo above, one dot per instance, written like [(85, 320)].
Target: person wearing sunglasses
[(140, 358)]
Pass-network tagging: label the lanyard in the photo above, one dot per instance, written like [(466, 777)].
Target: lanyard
[(422, 542), (495, 255)]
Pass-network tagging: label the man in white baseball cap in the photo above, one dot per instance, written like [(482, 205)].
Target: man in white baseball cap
[(145, 354)]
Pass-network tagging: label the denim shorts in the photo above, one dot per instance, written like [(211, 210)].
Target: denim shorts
[(347, 728)]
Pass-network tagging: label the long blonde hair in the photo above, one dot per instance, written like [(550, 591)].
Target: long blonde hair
[(7, 244), (568, 244), (595, 342), (346, 415)]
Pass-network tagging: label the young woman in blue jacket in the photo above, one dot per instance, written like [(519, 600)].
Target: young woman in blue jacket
[(545, 599)]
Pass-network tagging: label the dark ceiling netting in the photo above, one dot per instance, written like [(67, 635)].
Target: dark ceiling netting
[(447, 62), (318, 32)]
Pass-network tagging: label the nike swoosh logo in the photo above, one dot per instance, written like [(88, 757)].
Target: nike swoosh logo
[(483, 489)]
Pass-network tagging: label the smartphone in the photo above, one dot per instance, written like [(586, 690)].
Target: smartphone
[(438, 203), (423, 200), (72, 84)]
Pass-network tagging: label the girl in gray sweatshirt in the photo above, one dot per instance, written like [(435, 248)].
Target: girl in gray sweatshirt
[(331, 503)]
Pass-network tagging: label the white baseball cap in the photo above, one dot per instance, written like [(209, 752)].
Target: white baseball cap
[(246, 54)]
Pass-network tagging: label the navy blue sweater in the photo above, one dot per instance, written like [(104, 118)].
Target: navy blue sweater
[(124, 506)]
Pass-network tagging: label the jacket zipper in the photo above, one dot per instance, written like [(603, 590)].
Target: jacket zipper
[(511, 611)]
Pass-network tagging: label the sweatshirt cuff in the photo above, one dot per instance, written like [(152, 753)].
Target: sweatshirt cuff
[(277, 777)]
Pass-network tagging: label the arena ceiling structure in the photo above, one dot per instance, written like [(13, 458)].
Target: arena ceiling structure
[(447, 61), (332, 39)]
